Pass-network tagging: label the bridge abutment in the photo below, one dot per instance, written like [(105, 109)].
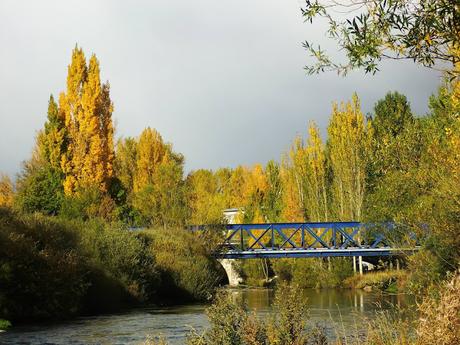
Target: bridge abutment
[(229, 265)]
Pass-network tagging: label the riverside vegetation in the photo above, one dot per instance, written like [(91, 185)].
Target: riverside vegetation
[(288, 324), (66, 249), (54, 268)]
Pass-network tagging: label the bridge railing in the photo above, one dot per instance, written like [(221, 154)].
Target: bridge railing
[(311, 236)]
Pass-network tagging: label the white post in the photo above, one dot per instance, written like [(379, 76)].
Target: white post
[(361, 265), (354, 264)]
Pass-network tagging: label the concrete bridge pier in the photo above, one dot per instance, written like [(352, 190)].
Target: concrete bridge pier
[(360, 264), (230, 267)]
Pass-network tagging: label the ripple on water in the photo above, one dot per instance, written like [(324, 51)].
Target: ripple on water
[(332, 308)]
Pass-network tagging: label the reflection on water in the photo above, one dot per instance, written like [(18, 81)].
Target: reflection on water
[(346, 308)]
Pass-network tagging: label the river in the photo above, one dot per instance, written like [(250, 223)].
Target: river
[(345, 308)]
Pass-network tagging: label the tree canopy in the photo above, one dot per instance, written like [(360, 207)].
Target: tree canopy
[(426, 32)]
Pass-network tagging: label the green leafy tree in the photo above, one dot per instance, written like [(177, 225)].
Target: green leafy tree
[(205, 197), (348, 145), (125, 162), (392, 122), (371, 30), (273, 201), (421, 190), (40, 190), (159, 191), (52, 140), (39, 184)]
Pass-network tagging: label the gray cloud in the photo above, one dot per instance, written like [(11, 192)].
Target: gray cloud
[(222, 80)]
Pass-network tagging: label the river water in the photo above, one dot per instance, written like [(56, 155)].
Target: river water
[(345, 308)]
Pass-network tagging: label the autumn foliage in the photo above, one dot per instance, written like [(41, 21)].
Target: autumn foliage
[(389, 165)]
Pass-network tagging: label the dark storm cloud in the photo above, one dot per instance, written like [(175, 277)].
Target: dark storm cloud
[(221, 80)]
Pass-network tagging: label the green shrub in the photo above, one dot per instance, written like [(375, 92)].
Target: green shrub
[(289, 320), (123, 256), (4, 324), (89, 203), (184, 258), (41, 272), (227, 317), (52, 267), (313, 273), (232, 324), (426, 271)]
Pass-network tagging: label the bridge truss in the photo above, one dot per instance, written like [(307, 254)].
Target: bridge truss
[(301, 240)]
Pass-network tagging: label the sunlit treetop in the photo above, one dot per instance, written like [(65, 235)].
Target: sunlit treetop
[(367, 31)]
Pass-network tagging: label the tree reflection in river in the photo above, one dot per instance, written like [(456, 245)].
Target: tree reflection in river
[(332, 308)]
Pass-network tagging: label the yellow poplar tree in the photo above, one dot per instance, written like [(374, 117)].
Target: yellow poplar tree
[(151, 152), (237, 189), (316, 191), (87, 110), (158, 185), (296, 164), (292, 210), (306, 176), (70, 105), (125, 164), (6, 191), (255, 193), (204, 199), (349, 141)]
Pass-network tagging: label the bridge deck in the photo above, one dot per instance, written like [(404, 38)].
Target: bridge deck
[(312, 253)]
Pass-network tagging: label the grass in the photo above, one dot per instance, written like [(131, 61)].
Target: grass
[(390, 281), (4, 324)]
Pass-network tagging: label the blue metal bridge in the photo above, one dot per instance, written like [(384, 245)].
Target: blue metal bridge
[(301, 240)]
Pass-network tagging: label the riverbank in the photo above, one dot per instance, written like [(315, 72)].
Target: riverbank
[(69, 268), (389, 281), (319, 274)]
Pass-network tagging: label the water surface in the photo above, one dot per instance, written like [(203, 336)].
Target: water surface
[(344, 308)]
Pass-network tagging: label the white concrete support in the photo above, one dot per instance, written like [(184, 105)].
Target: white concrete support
[(354, 264), (234, 278), (360, 263)]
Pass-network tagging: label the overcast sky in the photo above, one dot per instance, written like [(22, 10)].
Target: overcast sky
[(223, 81)]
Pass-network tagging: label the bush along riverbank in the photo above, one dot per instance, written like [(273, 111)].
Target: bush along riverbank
[(232, 323), (53, 268), (4, 325), (392, 281)]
